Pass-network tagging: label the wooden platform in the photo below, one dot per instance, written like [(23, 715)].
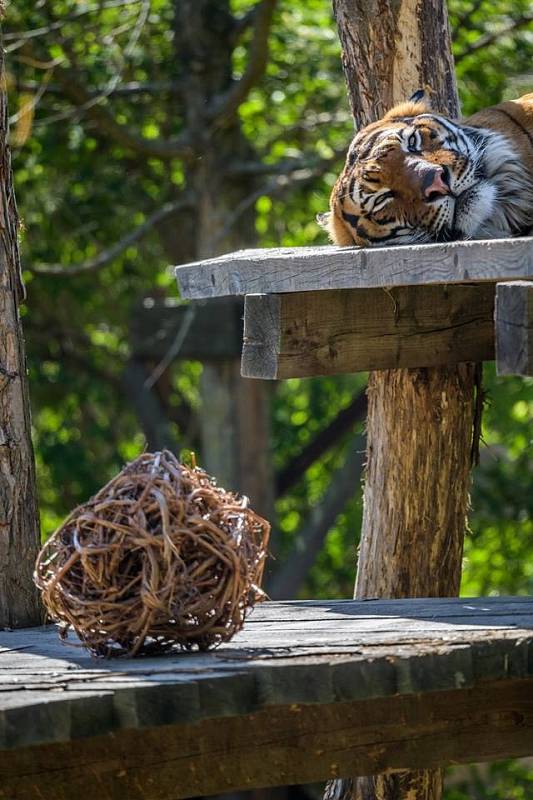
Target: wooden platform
[(306, 269), (307, 691), (325, 310)]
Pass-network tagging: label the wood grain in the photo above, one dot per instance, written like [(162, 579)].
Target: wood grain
[(402, 46), (280, 745), (352, 330), (303, 269), (514, 328)]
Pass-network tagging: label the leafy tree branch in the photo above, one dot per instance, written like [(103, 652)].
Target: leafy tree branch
[(465, 20), (491, 38), (74, 90), (227, 106), (106, 256)]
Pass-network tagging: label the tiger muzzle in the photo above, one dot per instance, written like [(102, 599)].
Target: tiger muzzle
[(435, 184), (432, 181)]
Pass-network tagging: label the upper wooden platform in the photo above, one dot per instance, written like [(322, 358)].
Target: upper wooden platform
[(304, 269), (308, 690), (327, 310)]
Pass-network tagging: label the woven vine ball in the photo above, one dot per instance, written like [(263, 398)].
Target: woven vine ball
[(160, 557)]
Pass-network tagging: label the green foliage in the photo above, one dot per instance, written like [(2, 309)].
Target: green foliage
[(498, 552), (505, 780), (301, 409), (502, 68), (80, 191)]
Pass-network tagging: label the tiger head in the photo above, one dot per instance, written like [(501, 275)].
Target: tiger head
[(416, 176)]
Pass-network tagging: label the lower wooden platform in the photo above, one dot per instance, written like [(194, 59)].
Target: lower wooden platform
[(307, 691)]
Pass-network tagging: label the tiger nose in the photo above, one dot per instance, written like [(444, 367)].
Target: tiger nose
[(435, 182)]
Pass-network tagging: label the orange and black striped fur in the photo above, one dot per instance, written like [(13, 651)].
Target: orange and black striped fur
[(416, 176)]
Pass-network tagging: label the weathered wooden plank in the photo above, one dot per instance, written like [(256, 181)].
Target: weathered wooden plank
[(419, 608), (278, 746), (303, 269), (514, 328), (317, 653), (352, 330), (196, 331)]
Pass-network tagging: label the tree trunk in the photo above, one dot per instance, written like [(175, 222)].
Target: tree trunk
[(19, 525), (420, 421), (391, 48), (235, 425), (235, 433)]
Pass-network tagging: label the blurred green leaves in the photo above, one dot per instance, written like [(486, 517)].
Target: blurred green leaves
[(79, 192)]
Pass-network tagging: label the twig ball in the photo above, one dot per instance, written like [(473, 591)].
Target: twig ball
[(160, 557)]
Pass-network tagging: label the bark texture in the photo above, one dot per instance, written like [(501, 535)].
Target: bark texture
[(416, 491), (420, 421), (391, 48), (19, 526)]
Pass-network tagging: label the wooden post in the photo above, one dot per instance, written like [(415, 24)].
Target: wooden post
[(513, 319), (235, 429), (19, 525), (420, 421)]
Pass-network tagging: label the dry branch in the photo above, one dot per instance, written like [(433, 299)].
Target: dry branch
[(160, 557)]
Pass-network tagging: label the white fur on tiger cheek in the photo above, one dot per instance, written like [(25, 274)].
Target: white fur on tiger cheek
[(475, 208)]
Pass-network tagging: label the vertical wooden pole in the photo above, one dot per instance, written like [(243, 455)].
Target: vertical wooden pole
[(235, 430), (19, 525), (420, 421)]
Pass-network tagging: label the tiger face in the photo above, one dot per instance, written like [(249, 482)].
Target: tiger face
[(415, 176)]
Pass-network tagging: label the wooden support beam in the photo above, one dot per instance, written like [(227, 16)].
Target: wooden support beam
[(514, 328), (305, 692), (305, 269), (296, 745), (204, 332), (420, 421), (353, 330)]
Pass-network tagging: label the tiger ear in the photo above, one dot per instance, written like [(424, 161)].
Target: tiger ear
[(418, 96), (324, 219), (418, 103), (338, 233)]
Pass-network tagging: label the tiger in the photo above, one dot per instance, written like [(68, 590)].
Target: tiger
[(416, 176)]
